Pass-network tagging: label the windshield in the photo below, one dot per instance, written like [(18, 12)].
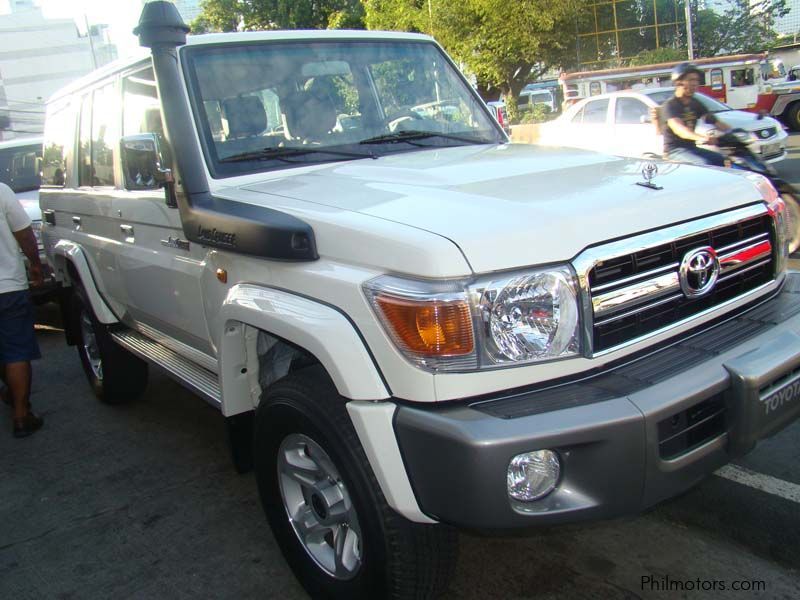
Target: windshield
[(330, 99), (19, 167), (708, 102)]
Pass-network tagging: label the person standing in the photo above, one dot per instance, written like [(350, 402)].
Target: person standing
[(18, 346)]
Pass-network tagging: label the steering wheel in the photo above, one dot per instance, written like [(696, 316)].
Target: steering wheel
[(406, 114)]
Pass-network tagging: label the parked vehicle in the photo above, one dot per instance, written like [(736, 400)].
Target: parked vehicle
[(619, 123), (498, 110), (409, 324), (20, 160), (751, 82), (528, 99)]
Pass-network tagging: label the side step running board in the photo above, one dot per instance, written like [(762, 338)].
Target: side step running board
[(199, 380)]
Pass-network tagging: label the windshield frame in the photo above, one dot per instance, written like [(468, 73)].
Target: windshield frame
[(219, 170)]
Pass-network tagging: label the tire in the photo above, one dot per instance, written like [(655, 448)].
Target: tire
[(302, 429), (115, 375), (793, 117)]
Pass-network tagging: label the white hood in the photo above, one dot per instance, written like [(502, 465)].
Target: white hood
[(516, 205)]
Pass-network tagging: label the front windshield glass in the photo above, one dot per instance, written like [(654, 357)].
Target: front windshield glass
[(19, 167), (265, 106)]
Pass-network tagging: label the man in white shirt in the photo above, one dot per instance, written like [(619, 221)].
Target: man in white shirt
[(18, 345)]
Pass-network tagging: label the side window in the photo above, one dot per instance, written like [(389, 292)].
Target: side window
[(141, 111), (105, 135), (59, 132), (630, 111), (595, 111), (85, 142), (578, 116), (741, 77)]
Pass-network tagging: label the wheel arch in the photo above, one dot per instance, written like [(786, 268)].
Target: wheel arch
[(71, 266), (320, 331)]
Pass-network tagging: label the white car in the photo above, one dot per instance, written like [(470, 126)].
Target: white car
[(619, 123), (410, 325), (19, 169)]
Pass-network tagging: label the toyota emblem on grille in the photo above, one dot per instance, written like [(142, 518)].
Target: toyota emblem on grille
[(698, 272)]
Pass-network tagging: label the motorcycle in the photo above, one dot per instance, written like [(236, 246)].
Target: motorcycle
[(737, 146)]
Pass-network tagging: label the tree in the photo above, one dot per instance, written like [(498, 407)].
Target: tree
[(504, 44), (253, 15), (740, 26), (657, 56)]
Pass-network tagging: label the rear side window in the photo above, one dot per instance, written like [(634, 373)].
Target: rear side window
[(741, 77), (19, 167), (105, 135), (59, 136)]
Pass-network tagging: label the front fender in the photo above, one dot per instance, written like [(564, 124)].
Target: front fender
[(65, 251), (319, 329)]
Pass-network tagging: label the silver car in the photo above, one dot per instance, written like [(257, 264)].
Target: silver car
[(619, 123)]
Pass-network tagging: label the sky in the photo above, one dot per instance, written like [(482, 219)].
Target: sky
[(120, 15)]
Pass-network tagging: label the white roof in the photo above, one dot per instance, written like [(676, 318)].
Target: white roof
[(141, 54), (21, 141)]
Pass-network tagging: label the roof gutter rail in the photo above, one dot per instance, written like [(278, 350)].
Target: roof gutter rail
[(208, 220)]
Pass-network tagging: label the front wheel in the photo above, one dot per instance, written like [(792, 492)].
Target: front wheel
[(793, 117), (325, 507)]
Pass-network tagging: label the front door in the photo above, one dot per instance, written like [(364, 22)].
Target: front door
[(161, 270)]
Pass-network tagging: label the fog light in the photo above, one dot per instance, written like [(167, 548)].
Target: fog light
[(533, 475)]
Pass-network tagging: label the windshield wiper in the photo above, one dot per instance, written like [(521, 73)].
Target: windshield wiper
[(288, 153), (411, 136)]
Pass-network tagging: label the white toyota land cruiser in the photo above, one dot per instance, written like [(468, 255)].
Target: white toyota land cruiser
[(410, 325)]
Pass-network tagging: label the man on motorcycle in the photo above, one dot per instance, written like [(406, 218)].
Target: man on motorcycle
[(681, 113)]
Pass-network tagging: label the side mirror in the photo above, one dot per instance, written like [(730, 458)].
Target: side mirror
[(145, 164), (643, 119)]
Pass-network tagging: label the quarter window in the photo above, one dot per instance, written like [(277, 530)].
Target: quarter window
[(58, 142)]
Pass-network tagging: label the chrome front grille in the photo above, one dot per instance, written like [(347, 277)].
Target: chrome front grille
[(637, 292)]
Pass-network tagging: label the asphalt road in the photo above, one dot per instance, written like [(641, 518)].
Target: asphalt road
[(140, 501)]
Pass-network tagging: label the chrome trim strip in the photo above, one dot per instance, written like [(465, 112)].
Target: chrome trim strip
[(638, 309), (753, 240), (635, 294), (750, 268), (728, 264), (643, 276), (744, 297)]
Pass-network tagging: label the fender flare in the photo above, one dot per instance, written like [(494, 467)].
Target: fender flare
[(783, 102), (69, 252), (317, 328)]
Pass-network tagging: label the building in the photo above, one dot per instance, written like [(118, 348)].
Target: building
[(790, 24), (189, 9), (37, 57), (614, 30)]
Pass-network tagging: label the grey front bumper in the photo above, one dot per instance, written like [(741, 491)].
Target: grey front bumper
[(627, 439)]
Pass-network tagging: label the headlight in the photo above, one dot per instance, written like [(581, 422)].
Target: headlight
[(528, 317), (490, 322)]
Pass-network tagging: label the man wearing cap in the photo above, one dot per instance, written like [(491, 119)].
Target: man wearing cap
[(17, 336), (681, 113)]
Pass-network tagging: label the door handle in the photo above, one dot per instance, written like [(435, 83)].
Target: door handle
[(49, 216), (77, 222), (127, 230)]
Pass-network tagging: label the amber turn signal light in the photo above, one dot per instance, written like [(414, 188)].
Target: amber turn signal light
[(430, 328)]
